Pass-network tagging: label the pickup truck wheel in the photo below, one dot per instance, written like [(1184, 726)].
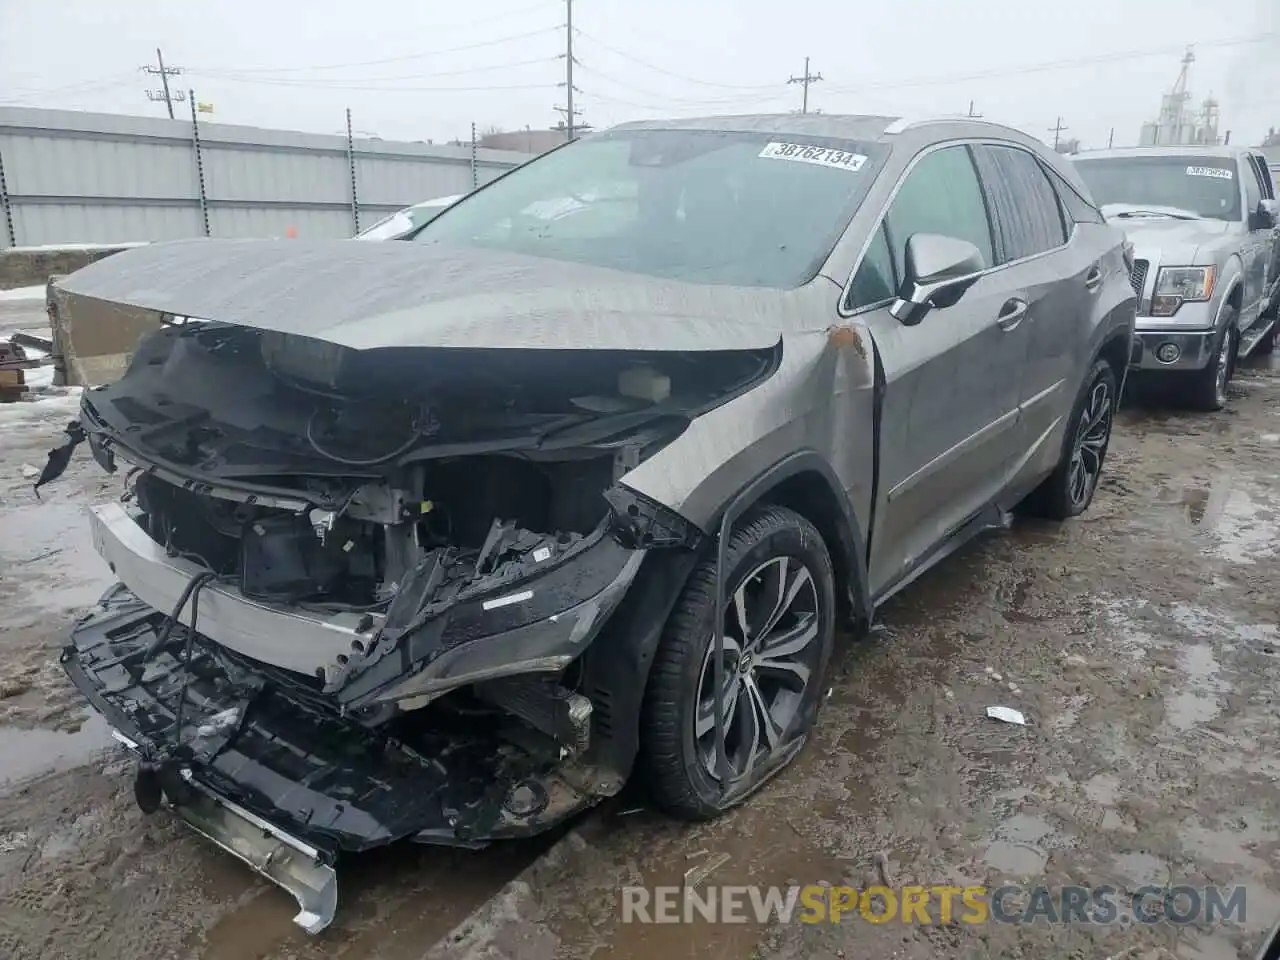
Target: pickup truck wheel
[(779, 629), (1068, 491), (1208, 387)]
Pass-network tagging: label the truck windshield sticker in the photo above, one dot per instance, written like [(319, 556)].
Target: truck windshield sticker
[(807, 153), (1216, 172)]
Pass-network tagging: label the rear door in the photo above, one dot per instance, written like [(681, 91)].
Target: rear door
[(1056, 278), (949, 398)]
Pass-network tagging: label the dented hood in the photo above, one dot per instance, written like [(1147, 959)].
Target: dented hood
[(366, 295)]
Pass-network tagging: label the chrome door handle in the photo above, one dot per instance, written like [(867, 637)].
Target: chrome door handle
[(1011, 314), (1093, 279)]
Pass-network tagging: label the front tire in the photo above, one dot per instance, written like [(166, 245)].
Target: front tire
[(1069, 490), (779, 630), (1208, 387)]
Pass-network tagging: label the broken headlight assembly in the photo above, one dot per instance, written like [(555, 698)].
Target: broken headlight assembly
[(1178, 285)]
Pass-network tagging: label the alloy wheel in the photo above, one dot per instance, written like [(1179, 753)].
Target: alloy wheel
[(1224, 368), (1092, 435), (771, 645)]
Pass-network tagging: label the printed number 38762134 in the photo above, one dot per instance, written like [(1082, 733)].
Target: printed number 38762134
[(807, 153)]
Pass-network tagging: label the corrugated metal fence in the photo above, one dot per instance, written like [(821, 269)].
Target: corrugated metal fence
[(72, 177)]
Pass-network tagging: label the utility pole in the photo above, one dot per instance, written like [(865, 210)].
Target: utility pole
[(164, 73), (807, 79), (570, 122), (976, 116), (1057, 132), (1111, 138)]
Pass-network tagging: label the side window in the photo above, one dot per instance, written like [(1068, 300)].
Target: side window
[(1264, 175), (1075, 207), (1028, 218), (875, 279), (1252, 189), (940, 195)]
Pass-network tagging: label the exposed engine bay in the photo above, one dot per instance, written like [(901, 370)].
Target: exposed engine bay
[(393, 484)]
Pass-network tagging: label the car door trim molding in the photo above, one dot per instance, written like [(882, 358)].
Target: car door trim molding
[(1042, 395), (845, 313), (979, 436)]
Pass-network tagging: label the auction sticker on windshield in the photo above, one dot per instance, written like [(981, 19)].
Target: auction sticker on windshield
[(807, 153), (1216, 172)]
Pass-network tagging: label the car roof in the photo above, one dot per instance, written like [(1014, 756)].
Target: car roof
[(1171, 150), (865, 127)]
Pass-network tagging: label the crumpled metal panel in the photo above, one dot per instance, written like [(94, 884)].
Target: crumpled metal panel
[(365, 295)]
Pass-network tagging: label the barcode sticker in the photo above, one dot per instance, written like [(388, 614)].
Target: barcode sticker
[(807, 153), (1216, 172)]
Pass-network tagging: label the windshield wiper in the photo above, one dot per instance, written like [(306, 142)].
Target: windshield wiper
[(1172, 214)]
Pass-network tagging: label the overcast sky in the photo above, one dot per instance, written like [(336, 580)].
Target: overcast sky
[(418, 70)]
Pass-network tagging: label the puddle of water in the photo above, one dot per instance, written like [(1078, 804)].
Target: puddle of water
[(1019, 847), (1141, 869), (28, 753), (1197, 702), (1242, 524), (47, 553)]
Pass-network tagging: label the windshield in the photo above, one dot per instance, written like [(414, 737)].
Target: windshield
[(403, 222), (748, 209), (1205, 186)]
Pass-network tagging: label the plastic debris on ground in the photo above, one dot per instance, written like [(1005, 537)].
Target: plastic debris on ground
[(1007, 714), (695, 876)]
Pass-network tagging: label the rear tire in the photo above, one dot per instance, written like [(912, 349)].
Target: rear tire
[(1069, 490), (1207, 388), (775, 676)]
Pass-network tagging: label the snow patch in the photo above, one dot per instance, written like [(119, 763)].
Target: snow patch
[(22, 293), (52, 406), (46, 247)]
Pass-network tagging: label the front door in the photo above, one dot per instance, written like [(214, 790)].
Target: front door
[(1256, 247), (950, 399)]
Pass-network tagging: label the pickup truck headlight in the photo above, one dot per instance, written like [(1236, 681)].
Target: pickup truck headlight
[(1178, 285)]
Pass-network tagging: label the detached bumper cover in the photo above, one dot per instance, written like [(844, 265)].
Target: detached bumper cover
[(270, 772)]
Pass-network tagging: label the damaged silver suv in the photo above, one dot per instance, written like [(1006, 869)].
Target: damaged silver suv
[(446, 539)]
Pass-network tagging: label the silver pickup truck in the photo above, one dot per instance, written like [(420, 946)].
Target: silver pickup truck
[(1206, 259)]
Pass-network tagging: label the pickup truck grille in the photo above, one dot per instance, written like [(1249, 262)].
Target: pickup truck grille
[(1138, 275)]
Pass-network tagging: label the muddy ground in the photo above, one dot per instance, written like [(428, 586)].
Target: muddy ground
[(1140, 642)]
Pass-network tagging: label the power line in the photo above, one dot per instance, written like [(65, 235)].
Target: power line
[(806, 80), (678, 76), (593, 71), (608, 98), (939, 80), (338, 82), (370, 63)]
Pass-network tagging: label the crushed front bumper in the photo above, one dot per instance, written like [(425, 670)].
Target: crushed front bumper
[(268, 770)]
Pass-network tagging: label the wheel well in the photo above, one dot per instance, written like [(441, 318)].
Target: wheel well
[(1236, 296), (809, 494), (1116, 352)]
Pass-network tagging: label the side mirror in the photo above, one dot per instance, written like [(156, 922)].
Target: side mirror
[(1265, 216), (938, 272)]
